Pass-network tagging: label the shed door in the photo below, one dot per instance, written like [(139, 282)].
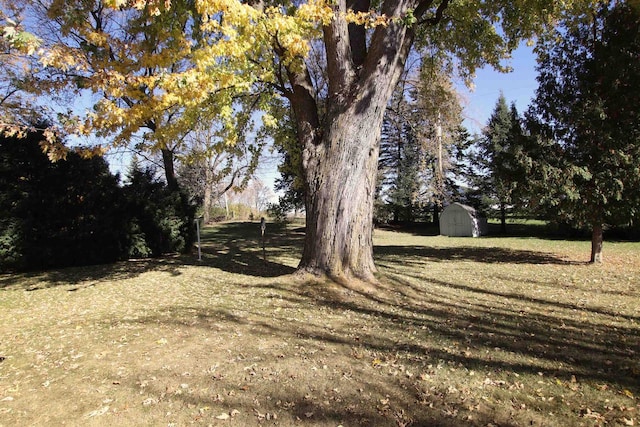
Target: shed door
[(460, 223)]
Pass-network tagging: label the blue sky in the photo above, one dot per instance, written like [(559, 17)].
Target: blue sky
[(518, 86)]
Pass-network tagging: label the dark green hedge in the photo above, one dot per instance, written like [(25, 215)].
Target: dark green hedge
[(74, 212)]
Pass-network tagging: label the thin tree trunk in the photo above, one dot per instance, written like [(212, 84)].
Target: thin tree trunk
[(208, 193), (596, 243), (503, 219), (169, 170)]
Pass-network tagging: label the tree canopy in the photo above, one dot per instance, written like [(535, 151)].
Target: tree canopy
[(585, 113), (164, 65)]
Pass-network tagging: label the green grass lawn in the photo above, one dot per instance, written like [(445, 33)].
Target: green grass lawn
[(490, 331)]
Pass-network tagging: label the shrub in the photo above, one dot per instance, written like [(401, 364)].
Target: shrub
[(160, 220), (73, 212), (278, 212), (56, 214)]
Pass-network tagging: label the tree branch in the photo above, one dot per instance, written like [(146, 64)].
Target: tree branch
[(357, 34), (340, 69), (434, 20)]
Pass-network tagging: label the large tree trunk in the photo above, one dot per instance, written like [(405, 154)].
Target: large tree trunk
[(341, 149), (340, 159), (341, 180), (596, 243)]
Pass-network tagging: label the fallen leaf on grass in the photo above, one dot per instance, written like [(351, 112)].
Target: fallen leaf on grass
[(149, 401), (628, 422), (268, 416), (97, 412), (226, 416)]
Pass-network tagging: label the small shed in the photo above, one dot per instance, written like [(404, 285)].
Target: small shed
[(458, 220)]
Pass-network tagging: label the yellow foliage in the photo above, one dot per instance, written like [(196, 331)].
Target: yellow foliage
[(315, 11), (269, 121)]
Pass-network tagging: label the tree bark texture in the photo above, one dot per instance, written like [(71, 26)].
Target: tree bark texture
[(341, 180), (208, 194), (597, 239), (340, 154), (169, 169)]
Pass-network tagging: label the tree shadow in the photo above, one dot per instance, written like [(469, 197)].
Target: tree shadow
[(90, 275), (417, 228), (238, 248), (232, 247), (456, 326), (592, 350), (490, 255)]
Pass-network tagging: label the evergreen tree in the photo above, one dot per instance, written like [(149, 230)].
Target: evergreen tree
[(399, 157), (496, 160), (159, 219), (586, 114), (421, 131), (57, 214), (404, 191)]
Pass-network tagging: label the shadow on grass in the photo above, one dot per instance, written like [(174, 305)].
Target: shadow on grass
[(490, 255), (423, 326), (562, 344), (237, 248), (90, 275), (232, 247)]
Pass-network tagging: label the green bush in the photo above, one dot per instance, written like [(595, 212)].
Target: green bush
[(74, 212), (160, 220), (56, 214), (278, 212)]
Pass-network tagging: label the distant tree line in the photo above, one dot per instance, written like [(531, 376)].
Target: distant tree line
[(575, 155), (75, 212)]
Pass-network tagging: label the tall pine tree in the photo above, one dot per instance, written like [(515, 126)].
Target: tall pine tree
[(495, 161), (587, 115)]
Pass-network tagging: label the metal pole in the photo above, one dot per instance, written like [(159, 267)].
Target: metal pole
[(440, 178), (197, 221), (263, 227)]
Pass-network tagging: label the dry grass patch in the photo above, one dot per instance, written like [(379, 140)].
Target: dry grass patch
[(507, 332)]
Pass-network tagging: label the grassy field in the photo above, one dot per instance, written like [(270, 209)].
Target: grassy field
[(479, 332)]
